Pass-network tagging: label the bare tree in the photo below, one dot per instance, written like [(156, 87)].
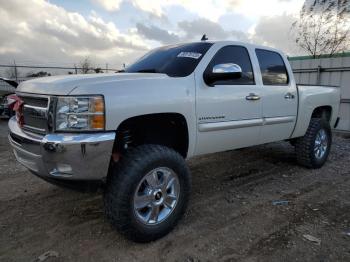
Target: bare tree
[(323, 27), (86, 66), (12, 73), (98, 70), (38, 74)]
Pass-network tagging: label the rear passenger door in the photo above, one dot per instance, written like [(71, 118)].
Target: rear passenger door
[(279, 96)]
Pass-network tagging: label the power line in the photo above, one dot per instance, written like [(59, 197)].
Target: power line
[(53, 67)]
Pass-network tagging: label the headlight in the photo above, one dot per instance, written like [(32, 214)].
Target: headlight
[(80, 113)]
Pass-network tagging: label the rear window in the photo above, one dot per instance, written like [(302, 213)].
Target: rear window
[(273, 69)]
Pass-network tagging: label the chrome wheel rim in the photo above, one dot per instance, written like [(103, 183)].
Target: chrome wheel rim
[(156, 196), (321, 144)]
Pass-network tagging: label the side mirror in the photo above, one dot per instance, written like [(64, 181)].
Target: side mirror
[(222, 72)]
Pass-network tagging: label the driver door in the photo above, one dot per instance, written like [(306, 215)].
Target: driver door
[(229, 112)]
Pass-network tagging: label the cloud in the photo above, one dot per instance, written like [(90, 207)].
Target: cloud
[(109, 5), (257, 9), (275, 31), (189, 31), (153, 7), (210, 9), (159, 7), (196, 28), (202, 26), (38, 30), (155, 33)]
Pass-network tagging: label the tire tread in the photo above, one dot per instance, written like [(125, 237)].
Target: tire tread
[(304, 146), (124, 175)]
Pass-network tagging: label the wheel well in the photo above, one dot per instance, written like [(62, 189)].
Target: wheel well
[(168, 129), (322, 112)]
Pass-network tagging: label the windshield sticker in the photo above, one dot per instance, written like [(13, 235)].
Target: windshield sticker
[(190, 55)]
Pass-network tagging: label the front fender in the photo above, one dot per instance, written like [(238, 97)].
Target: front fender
[(128, 98)]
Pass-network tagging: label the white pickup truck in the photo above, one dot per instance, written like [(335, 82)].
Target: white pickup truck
[(132, 131)]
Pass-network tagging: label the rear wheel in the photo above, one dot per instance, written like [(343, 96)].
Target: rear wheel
[(312, 150), (147, 192)]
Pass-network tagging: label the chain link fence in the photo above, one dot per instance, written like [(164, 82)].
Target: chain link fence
[(20, 73)]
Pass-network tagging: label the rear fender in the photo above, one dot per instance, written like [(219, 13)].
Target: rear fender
[(310, 98)]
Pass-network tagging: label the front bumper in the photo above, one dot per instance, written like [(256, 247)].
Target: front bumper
[(63, 156)]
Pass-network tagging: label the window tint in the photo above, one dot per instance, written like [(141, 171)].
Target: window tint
[(273, 69), (237, 55), (175, 60)]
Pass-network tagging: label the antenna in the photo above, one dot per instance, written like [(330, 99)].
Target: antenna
[(204, 38)]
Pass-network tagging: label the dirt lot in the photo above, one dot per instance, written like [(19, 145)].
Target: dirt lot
[(231, 216)]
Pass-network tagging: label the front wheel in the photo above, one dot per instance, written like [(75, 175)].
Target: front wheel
[(147, 192), (312, 150)]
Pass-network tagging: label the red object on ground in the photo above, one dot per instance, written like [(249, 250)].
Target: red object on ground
[(16, 104)]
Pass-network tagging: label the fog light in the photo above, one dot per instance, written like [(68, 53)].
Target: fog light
[(62, 170)]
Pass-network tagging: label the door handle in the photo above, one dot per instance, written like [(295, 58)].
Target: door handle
[(289, 96), (252, 97)]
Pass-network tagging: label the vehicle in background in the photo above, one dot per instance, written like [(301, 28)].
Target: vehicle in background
[(6, 107), (6, 103)]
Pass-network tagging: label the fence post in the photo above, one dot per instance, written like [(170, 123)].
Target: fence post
[(318, 79)]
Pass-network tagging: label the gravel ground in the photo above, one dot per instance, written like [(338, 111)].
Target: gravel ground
[(231, 215)]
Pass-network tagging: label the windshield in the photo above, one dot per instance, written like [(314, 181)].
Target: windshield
[(175, 61)]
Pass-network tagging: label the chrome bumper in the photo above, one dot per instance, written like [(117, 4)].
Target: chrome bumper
[(63, 156)]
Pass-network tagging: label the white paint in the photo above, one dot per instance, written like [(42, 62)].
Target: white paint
[(128, 95)]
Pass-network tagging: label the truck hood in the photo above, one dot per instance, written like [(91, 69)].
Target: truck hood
[(64, 85)]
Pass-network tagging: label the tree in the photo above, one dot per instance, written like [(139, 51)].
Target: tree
[(98, 70), (86, 66), (12, 73), (38, 74), (323, 27)]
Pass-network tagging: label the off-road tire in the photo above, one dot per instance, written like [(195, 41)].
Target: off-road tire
[(304, 146), (125, 177)]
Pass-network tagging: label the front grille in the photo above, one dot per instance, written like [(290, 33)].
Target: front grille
[(35, 101), (35, 113)]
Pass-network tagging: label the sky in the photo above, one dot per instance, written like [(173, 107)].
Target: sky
[(64, 32)]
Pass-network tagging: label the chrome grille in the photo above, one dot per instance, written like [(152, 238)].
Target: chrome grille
[(35, 101), (35, 113)]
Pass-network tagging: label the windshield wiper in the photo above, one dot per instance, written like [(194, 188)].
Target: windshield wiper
[(148, 70)]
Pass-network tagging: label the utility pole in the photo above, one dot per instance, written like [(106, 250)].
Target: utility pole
[(106, 67), (15, 70), (76, 70)]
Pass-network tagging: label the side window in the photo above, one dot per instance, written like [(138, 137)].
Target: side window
[(237, 55), (273, 69)]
